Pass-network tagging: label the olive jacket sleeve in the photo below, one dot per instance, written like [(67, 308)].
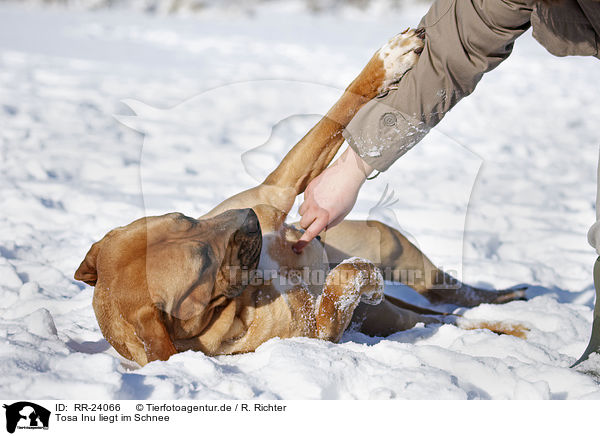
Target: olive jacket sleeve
[(464, 40)]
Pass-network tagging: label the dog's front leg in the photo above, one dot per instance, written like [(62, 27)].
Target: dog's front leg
[(350, 282), (315, 151)]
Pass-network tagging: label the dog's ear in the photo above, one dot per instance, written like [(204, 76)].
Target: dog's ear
[(87, 270)]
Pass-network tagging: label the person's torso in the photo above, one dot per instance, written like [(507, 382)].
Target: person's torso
[(568, 27)]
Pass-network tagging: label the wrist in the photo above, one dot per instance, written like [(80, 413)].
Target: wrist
[(355, 167)]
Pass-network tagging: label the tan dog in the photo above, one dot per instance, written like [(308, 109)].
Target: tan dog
[(229, 281)]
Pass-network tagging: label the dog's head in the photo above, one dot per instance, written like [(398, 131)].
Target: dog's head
[(180, 263)]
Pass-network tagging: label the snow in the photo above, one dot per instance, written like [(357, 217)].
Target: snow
[(501, 193)]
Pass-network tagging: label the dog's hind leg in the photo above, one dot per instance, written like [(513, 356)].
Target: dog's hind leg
[(401, 261), (387, 318)]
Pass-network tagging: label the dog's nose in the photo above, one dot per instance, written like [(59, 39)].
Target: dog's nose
[(250, 225)]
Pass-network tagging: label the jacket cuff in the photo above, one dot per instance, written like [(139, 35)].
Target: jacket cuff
[(380, 134)]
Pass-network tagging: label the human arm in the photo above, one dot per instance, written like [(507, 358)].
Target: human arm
[(331, 195), (464, 40)]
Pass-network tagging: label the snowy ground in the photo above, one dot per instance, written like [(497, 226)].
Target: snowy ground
[(520, 153)]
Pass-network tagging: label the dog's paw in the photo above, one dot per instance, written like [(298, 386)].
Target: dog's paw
[(399, 55), (372, 288), (372, 298), (364, 280), (506, 295)]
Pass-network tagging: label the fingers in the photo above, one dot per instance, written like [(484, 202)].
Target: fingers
[(312, 215), (303, 208), (308, 216), (316, 227), (299, 246)]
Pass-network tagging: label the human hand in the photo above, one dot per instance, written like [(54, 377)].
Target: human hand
[(331, 196)]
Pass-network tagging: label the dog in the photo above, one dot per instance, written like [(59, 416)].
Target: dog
[(229, 281)]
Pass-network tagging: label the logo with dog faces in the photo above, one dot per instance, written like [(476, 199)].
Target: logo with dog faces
[(24, 415)]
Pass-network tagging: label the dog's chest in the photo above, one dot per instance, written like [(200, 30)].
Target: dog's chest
[(284, 269)]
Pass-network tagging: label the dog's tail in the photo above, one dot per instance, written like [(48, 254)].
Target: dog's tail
[(500, 327)]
